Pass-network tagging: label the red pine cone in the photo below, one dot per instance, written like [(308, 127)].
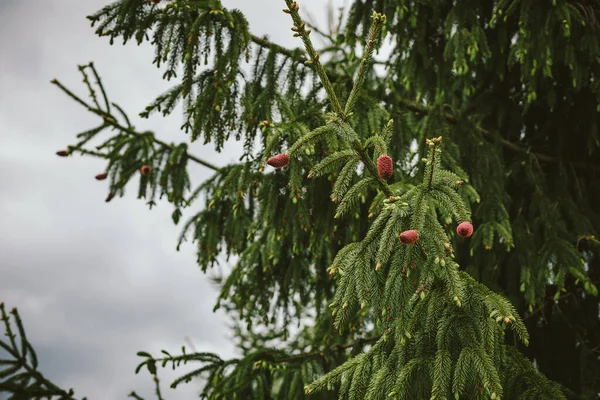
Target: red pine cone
[(101, 176), (62, 153), (464, 229), (385, 167), (279, 161), (409, 237), (146, 170)]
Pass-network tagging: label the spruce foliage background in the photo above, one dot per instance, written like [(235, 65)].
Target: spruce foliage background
[(490, 111)]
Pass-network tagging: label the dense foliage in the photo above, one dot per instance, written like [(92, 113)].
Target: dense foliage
[(433, 218)]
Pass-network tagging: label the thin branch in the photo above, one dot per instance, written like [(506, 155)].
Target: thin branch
[(295, 54), (301, 31), (561, 297), (110, 120), (321, 354), (378, 21), (315, 28)]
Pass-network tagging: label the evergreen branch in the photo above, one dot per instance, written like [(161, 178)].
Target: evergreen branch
[(432, 144), (99, 82), (17, 384), (327, 36), (295, 54), (348, 200), (325, 165), (421, 109), (313, 135), (343, 129), (300, 28), (378, 19), (561, 297), (110, 120), (157, 388), (331, 349)]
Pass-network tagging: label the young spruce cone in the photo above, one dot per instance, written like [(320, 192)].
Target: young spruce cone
[(146, 170), (409, 237), (385, 167), (464, 229), (101, 176), (279, 161), (62, 153)]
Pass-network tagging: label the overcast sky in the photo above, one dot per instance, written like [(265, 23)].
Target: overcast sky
[(96, 282)]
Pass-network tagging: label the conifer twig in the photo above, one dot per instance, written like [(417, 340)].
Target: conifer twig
[(295, 54), (561, 297), (110, 120), (42, 387), (378, 20), (321, 353), (301, 31)]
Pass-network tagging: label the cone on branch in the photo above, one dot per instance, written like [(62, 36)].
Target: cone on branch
[(409, 237), (145, 170), (62, 153), (385, 167), (464, 229), (279, 161), (102, 176)]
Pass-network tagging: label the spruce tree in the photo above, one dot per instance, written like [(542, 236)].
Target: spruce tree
[(417, 227)]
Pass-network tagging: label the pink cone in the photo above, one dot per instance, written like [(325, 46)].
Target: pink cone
[(279, 161), (385, 167), (409, 237), (146, 170), (464, 229)]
